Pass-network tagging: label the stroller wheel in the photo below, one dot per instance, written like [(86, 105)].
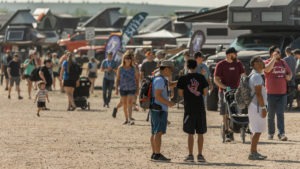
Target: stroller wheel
[(222, 129), (243, 134)]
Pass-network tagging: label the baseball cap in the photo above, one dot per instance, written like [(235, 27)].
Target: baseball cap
[(231, 50)]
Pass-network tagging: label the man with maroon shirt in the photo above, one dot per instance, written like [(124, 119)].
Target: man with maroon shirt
[(277, 73), (227, 76)]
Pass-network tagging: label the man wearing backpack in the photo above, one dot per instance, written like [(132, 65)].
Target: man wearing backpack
[(159, 110), (227, 76), (277, 73)]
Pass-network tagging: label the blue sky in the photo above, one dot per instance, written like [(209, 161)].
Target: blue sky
[(209, 3)]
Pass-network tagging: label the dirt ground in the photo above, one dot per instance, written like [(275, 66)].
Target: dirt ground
[(60, 139)]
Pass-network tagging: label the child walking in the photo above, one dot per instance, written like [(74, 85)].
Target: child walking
[(41, 96)]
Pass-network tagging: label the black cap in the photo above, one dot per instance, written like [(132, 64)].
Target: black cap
[(47, 61), (231, 50)]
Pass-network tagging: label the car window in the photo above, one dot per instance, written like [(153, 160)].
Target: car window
[(260, 43), (100, 42), (78, 37)]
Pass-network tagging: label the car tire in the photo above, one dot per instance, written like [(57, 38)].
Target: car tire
[(212, 100)]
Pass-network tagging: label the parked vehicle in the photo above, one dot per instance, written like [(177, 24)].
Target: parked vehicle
[(74, 42), (98, 47)]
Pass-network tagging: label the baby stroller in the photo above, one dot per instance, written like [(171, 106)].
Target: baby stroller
[(82, 92), (237, 119)]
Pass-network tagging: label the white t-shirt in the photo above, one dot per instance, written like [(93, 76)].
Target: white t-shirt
[(256, 80)]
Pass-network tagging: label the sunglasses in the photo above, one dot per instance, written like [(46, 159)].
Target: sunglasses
[(127, 58)]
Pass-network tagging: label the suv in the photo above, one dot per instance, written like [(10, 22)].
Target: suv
[(249, 45)]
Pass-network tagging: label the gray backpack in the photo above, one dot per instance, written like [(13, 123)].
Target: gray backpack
[(243, 95)]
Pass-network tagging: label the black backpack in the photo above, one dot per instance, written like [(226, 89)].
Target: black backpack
[(34, 76), (145, 97)]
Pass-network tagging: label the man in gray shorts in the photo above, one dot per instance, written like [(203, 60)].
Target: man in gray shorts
[(14, 73)]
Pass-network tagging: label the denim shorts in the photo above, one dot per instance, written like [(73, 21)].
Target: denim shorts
[(15, 79), (159, 121), (127, 92)]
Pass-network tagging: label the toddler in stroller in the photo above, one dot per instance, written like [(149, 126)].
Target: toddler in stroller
[(82, 92), (237, 119)]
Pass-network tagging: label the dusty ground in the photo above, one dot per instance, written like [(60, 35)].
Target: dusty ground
[(93, 139)]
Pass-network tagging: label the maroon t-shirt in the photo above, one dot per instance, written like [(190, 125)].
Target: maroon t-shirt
[(229, 73)]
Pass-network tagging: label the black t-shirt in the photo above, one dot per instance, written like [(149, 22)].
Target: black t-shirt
[(193, 85), (14, 68), (148, 67), (47, 75)]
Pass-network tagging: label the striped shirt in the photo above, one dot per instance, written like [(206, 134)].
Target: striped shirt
[(41, 95)]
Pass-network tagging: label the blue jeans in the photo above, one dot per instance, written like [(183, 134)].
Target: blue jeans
[(107, 88), (276, 105)]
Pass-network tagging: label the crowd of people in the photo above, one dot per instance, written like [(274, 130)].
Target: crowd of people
[(274, 84)]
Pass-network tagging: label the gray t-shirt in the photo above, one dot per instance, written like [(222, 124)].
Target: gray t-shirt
[(148, 67), (256, 80), (203, 66)]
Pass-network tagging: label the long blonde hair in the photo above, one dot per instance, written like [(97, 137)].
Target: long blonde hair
[(127, 54)]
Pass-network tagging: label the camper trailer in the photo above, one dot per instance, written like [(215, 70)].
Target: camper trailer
[(272, 22)]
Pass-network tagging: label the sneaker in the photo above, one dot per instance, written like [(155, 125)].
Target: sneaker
[(132, 119), (270, 137), (256, 156), (126, 122), (227, 138), (114, 114), (20, 97), (152, 156), (8, 96), (282, 137), (200, 158), (161, 158), (38, 114), (189, 158), (131, 122)]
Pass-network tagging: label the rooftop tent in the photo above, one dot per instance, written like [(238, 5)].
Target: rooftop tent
[(20, 17), (158, 24), (213, 15), (109, 17)]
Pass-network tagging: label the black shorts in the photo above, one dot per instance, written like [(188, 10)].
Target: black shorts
[(127, 92), (92, 75), (69, 83), (195, 123), (55, 74), (41, 104)]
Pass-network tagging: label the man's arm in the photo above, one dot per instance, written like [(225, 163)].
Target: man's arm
[(218, 82), (269, 66), (158, 97), (260, 100)]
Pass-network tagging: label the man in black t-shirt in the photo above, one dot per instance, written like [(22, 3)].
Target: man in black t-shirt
[(193, 87), (14, 73), (5, 60)]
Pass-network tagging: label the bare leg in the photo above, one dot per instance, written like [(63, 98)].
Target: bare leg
[(200, 143), (124, 101), (190, 143), (54, 83), (254, 142), (152, 143), (38, 112), (92, 85), (9, 90), (29, 85), (18, 90), (157, 142), (129, 105)]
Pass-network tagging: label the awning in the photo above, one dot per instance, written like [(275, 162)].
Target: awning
[(162, 34), (213, 15)]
